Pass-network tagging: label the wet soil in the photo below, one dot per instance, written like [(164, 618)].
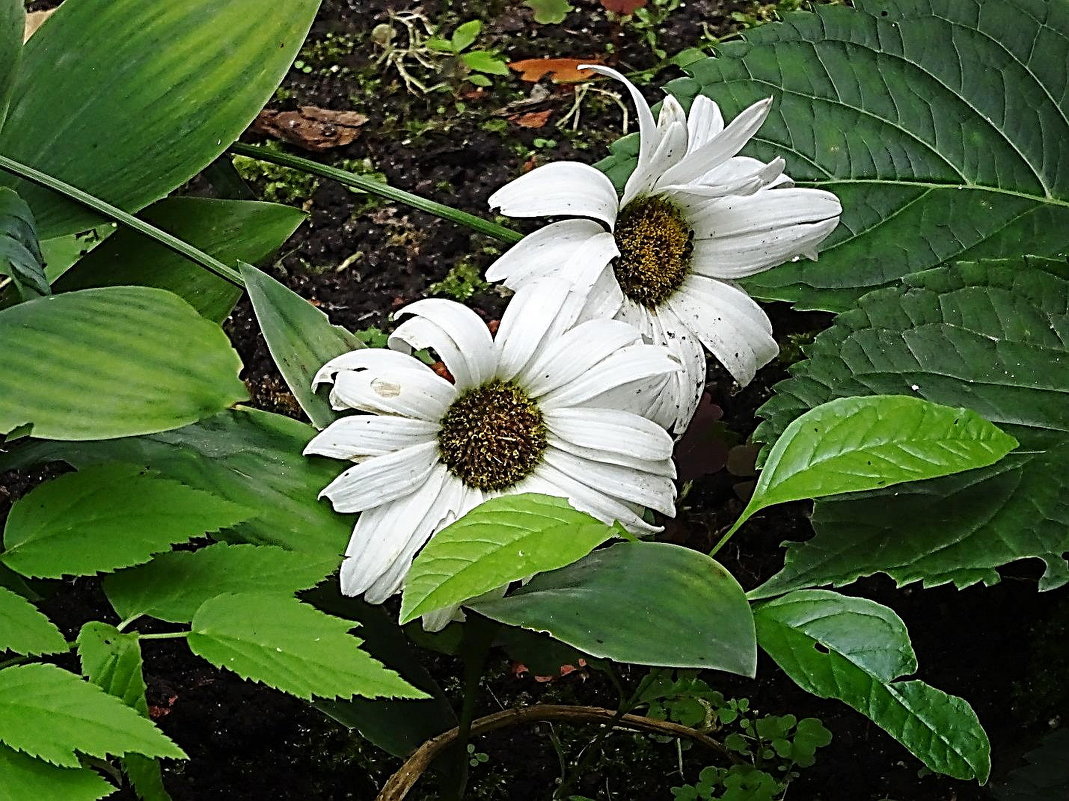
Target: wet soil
[(1002, 648)]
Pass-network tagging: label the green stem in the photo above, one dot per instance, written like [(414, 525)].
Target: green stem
[(164, 635), (478, 635), (371, 186), (117, 214)]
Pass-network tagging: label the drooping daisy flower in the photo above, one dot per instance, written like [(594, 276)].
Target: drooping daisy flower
[(694, 216), (525, 413)]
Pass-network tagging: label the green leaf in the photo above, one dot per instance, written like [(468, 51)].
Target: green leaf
[(857, 444), (25, 630), (12, 26), (300, 338), (549, 12), (485, 61), (112, 661), (290, 646), (50, 713), (173, 585), (106, 517), (126, 134), (20, 251), (465, 34), (29, 779), (249, 457), (991, 336), (640, 602), (853, 649), (229, 230), (504, 539), (893, 107), (155, 365)]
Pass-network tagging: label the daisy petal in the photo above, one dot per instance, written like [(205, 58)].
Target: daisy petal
[(723, 182), (359, 436), (661, 467), (703, 122), (574, 353), (654, 492), (562, 188), (458, 334), (539, 312), (741, 168), (761, 212), (604, 299), (647, 128), (376, 359), (728, 322), (551, 481), (611, 430), (631, 363), (671, 147), (746, 254), (543, 253), (382, 479), (678, 401), (411, 391)]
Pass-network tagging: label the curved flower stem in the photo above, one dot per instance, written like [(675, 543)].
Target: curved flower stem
[(118, 215), (165, 635), (398, 786), (371, 186)]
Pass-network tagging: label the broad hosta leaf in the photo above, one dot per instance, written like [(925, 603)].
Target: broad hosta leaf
[(49, 713), (854, 649), (112, 362), (640, 602), (229, 230), (941, 125), (991, 336), (173, 585), (112, 661), (300, 338), (12, 25), (503, 540), (249, 457), (29, 779), (25, 630), (107, 517), (292, 647), (20, 252), (856, 444), (125, 133)]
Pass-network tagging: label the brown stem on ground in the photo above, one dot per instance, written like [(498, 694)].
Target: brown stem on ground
[(409, 773)]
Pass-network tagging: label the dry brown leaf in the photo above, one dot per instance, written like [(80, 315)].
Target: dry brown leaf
[(623, 7), (532, 119), (559, 70), (34, 20), (310, 127)]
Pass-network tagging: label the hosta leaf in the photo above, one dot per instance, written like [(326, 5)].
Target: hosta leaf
[(49, 713), (156, 364), (854, 649), (503, 540), (20, 251), (125, 133), (856, 444), (300, 338), (292, 647), (29, 779), (12, 25), (991, 336), (173, 585), (25, 630), (941, 125), (229, 230), (640, 602), (107, 517), (249, 457)]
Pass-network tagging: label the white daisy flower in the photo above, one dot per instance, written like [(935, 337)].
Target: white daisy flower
[(526, 412), (694, 216)]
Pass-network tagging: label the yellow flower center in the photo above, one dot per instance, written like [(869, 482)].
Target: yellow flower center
[(655, 245), (492, 436)]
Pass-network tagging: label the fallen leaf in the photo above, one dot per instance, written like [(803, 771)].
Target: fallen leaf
[(34, 20), (623, 7), (310, 127), (532, 119), (559, 70)]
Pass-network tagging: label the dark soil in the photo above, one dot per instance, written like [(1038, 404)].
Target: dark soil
[(1003, 648)]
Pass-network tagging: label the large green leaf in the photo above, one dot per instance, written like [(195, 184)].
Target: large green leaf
[(249, 457), (941, 125), (106, 517), (29, 779), (503, 540), (20, 251), (991, 336), (856, 444), (128, 100), (47, 712), (854, 649), (25, 630), (291, 646), (112, 362), (173, 585), (229, 230), (12, 26), (300, 337), (640, 602)]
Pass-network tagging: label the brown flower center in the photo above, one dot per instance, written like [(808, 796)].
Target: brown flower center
[(655, 245), (492, 436)]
